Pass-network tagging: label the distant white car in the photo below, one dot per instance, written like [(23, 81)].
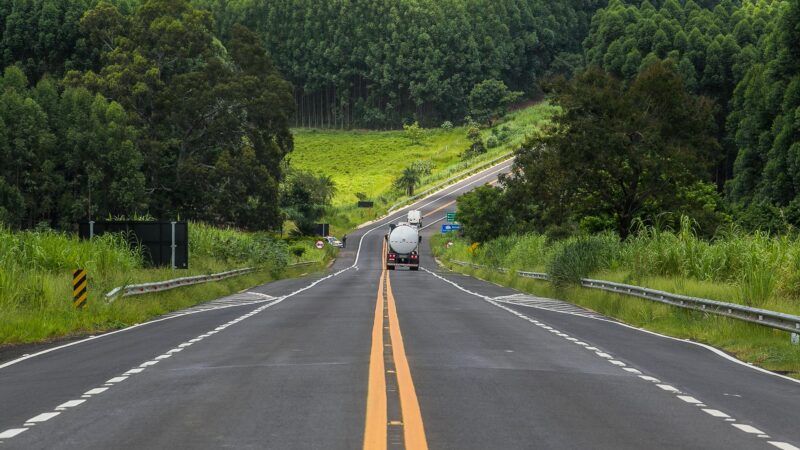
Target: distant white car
[(332, 241)]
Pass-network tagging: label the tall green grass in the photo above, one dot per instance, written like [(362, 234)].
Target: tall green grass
[(750, 268), (36, 271)]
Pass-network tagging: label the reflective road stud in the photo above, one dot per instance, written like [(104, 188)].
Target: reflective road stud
[(79, 288)]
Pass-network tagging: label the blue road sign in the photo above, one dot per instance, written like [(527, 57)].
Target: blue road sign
[(450, 227)]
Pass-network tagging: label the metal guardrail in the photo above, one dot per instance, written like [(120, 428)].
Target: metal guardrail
[(450, 180), (159, 286), (772, 319)]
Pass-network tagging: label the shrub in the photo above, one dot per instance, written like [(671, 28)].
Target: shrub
[(492, 142), (577, 258), (447, 125), (414, 133)]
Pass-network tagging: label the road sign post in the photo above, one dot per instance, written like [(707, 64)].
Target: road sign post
[(80, 287)]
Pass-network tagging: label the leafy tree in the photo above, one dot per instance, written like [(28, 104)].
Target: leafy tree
[(414, 133), (197, 104), (304, 197), (617, 152), (489, 100), (477, 146), (483, 213), (408, 180)]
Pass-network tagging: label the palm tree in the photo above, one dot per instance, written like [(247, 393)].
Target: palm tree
[(408, 180)]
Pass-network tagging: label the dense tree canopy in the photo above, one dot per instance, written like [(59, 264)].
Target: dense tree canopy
[(161, 116), (711, 46), (174, 107), (382, 62), (68, 154), (616, 153)]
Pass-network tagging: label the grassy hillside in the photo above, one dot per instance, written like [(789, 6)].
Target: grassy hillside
[(369, 161)]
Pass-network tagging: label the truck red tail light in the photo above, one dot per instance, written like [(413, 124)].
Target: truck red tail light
[(392, 256), (413, 255)]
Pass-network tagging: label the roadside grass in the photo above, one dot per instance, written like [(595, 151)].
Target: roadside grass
[(752, 343), (361, 161), (36, 274)]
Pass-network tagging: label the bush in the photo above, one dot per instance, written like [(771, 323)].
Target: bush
[(297, 250), (492, 142), (447, 125), (577, 258), (423, 166), (414, 133)]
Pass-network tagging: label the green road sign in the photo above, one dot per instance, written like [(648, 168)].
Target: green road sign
[(451, 217)]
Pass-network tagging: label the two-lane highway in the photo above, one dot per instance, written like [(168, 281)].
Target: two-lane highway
[(364, 358)]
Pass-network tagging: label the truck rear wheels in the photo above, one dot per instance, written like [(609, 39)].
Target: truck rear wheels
[(414, 268), (389, 267)]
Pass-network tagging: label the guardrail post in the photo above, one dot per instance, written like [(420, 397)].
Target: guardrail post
[(796, 336), (91, 229), (173, 246)]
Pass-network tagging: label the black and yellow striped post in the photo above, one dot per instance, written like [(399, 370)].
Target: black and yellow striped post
[(79, 288)]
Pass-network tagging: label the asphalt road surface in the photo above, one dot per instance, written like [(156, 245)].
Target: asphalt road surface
[(360, 357)]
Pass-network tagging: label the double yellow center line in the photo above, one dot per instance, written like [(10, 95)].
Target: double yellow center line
[(377, 422)]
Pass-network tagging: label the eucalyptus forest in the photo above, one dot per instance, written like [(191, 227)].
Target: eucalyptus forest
[(185, 108)]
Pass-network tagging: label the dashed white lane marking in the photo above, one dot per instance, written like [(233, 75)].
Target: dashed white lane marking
[(95, 391), (10, 433), (747, 428), (70, 404), (116, 380), (689, 399), (666, 387), (134, 371), (43, 417), (715, 413), (783, 445)]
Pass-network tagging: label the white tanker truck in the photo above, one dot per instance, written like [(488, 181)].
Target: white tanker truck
[(402, 249)]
